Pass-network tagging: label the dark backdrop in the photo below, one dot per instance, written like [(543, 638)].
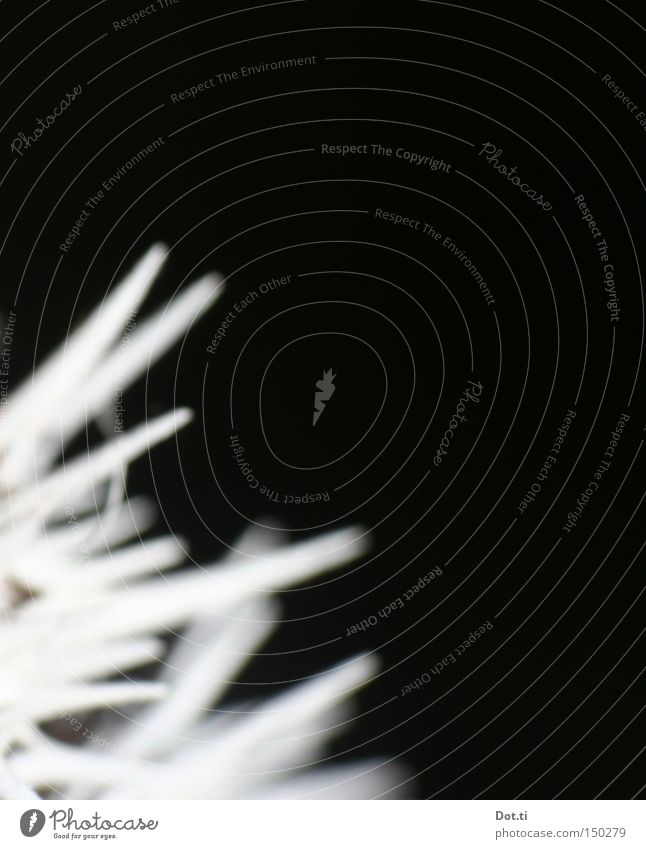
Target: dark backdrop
[(546, 700)]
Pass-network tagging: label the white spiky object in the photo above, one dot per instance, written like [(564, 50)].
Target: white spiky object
[(85, 600)]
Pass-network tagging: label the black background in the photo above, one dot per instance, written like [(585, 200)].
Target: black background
[(546, 703)]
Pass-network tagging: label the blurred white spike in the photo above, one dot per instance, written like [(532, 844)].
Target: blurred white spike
[(149, 343), (43, 706), (29, 416), (359, 780), (171, 601), (203, 772), (12, 787), (76, 612), (200, 685), (82, 474)]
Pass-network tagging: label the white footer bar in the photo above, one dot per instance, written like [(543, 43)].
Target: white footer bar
[(325, 825)]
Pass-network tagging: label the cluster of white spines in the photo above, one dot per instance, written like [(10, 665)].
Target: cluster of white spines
[(84, 598)]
